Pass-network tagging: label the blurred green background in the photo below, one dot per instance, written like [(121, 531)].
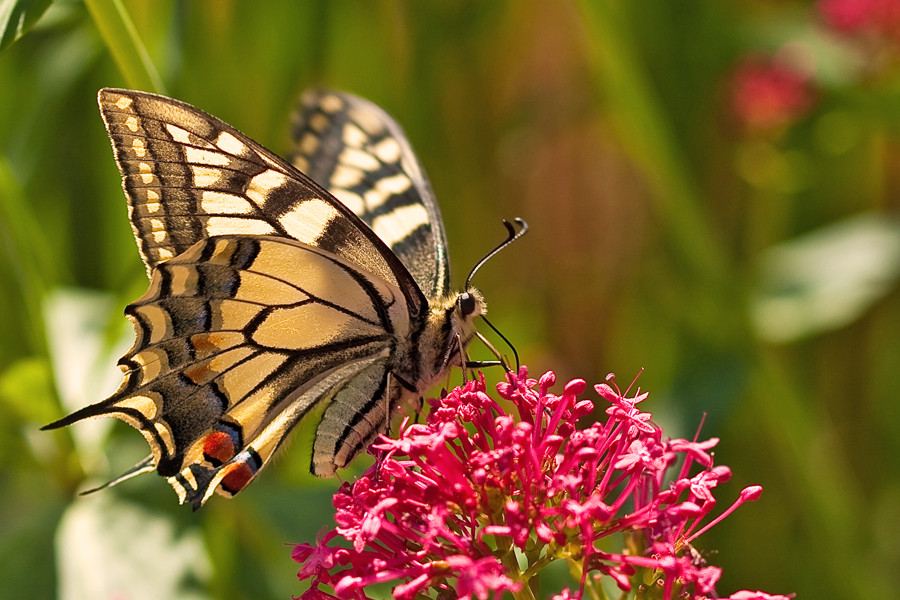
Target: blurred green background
[(712, 189)]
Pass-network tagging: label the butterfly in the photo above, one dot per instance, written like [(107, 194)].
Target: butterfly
[(271, 296)]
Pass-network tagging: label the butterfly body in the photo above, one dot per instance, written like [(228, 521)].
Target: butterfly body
[(270, 296)]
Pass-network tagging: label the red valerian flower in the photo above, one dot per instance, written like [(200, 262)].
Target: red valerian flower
[(475, 502), (767, 93)]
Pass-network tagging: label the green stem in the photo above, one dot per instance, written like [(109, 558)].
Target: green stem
[(511, 564), (125, 45)]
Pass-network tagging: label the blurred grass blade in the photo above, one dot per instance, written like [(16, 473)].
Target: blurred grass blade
[(28, 255), (125, 45), (647, 135), (17, 17), (826, 279)]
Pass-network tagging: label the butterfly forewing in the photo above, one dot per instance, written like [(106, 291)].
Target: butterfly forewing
[(189, 176), (361, 155)]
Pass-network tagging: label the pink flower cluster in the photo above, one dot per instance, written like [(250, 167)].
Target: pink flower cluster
[(879, 18), (477, 500)]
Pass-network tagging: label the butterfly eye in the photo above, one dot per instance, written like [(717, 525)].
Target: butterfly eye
[(466, 304)]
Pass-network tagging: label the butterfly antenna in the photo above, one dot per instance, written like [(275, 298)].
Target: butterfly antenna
[(513, 236)]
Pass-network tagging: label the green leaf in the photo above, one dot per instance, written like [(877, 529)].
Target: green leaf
[(826, 279), (26, 390), (17, 17)]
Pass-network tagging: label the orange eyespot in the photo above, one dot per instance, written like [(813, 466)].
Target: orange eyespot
[(218, 448), (239, 475)]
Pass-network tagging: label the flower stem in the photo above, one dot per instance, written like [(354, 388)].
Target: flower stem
[(511, 564), (524, 593)]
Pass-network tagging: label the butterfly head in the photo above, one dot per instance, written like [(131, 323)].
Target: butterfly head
[(467, 305), (450, 328), (451, 324)]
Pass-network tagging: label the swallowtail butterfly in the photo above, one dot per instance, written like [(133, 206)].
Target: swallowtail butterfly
[(271, 296)]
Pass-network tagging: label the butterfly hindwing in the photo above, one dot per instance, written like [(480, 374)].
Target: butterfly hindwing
[(357, 151), (232, 351)]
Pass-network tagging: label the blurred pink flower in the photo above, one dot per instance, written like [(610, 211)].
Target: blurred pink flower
[(767, 94), (867, 17), (477, 500)]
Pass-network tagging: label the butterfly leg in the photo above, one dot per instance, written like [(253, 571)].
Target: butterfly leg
[(464, 359), (480, 364), (501, 361)]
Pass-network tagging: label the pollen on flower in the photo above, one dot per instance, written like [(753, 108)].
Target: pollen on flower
[(476, 500)]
